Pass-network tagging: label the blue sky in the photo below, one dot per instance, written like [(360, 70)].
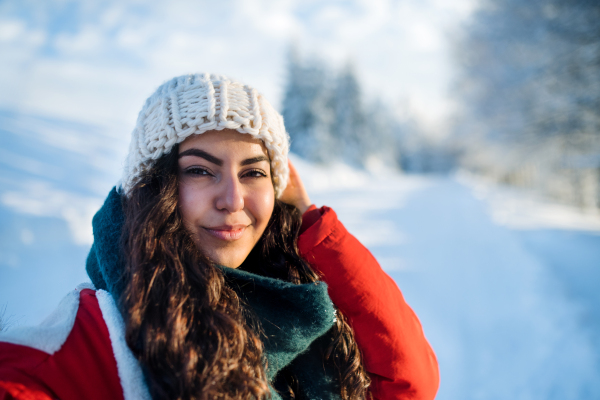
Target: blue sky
[(96, 61)]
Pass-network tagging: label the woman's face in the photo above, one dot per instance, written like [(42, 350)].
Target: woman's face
[(226, 195)]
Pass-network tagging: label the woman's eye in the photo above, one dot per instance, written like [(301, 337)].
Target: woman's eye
[(255, 173), (197, 171)]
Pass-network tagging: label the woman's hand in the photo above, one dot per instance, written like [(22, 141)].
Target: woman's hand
[(295, 193)]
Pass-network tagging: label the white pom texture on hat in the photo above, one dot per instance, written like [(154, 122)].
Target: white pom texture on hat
[(193, 104)]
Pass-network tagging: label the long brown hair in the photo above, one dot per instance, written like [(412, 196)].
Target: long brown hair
[(185, 325)]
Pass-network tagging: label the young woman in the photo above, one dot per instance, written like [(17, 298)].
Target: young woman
[(214, 277)]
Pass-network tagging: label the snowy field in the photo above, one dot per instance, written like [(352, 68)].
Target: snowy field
[(505, 285)]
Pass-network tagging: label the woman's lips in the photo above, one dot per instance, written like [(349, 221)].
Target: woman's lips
[(227, 232)]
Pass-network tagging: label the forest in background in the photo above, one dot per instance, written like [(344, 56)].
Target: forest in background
[(529, 87), (330, 120), (528, 90)]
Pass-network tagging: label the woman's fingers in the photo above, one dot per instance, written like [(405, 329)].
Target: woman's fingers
[(295, 193)]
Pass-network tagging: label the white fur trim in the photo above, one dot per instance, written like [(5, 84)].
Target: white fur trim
[(51, 334), (130, 372)]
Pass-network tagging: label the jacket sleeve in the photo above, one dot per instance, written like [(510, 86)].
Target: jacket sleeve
[(396, 354), (70, 357), (23, 391), (17, 380)]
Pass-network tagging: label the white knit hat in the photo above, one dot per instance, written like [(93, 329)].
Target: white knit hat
[(193, 104)]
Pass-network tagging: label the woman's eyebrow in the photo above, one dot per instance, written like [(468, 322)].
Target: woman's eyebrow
[(201, 154), (253, 160)]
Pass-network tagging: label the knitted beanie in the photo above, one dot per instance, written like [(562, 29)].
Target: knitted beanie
[(193, 104)]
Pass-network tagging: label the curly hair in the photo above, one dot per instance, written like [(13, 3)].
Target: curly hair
[(186, 326)]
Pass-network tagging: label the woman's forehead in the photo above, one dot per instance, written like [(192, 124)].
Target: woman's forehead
[(225, 143)]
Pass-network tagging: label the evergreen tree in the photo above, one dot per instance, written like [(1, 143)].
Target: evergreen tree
[(350, 124), (327, 119), (307, 109)]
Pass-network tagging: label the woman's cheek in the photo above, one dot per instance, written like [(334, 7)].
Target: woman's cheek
[(191, 202), (264, 202), (183, 203)]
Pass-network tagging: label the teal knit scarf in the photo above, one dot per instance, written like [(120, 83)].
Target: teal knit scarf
[(295, 319)]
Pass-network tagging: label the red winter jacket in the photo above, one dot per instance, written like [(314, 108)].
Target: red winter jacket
[(80, 352)]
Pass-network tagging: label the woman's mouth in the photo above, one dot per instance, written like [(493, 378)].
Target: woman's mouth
[(227, 232)]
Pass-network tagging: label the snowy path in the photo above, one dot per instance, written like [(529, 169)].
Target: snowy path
[(510, 314)]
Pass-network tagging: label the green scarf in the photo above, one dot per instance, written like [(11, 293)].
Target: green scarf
[(295, 319)]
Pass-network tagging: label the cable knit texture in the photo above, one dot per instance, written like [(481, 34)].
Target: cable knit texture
[(193, 104)]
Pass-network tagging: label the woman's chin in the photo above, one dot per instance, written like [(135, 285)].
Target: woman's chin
[(227, 257), (229, 263)]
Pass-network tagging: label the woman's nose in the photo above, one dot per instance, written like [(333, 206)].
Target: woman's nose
[(231, 197)]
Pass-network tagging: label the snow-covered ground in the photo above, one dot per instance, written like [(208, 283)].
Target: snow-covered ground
[(505, 285)]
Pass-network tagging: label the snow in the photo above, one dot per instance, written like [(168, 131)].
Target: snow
[(511, 309), (520, 209)]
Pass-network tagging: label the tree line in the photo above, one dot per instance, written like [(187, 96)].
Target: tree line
[(529, 87), (330, 119)]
